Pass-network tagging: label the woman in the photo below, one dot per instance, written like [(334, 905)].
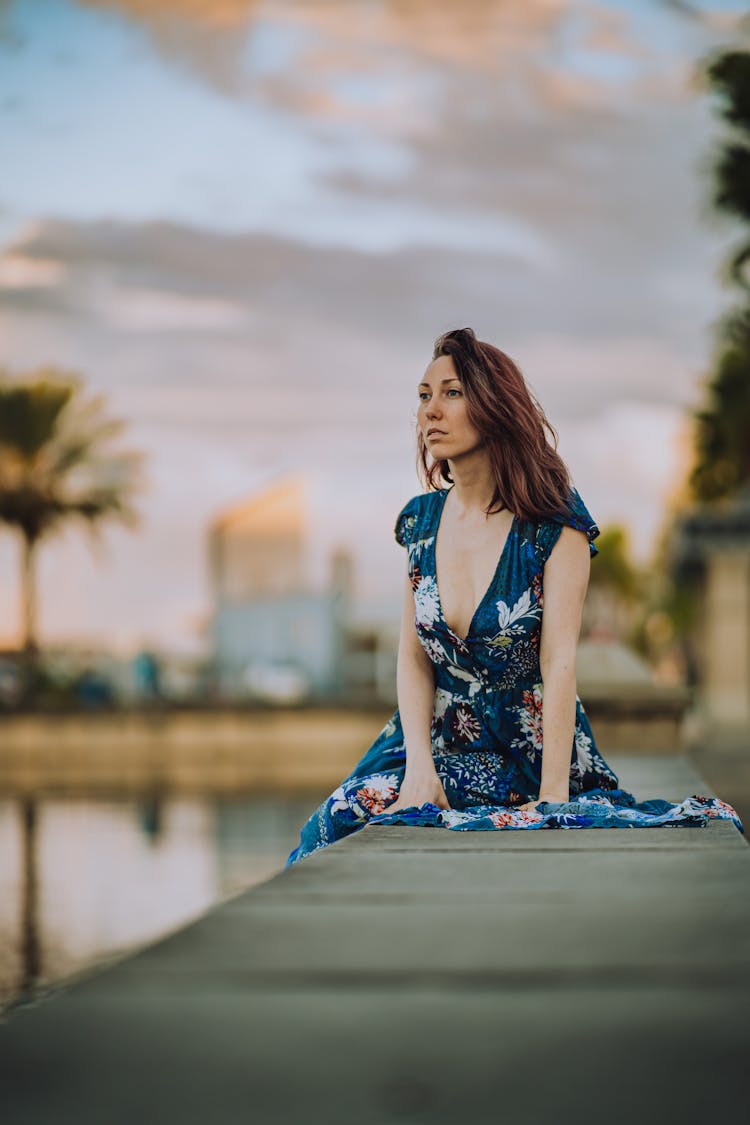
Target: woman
[(497, 572)]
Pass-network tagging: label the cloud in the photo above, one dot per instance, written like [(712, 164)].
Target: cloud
[(203, 37), (231, 309), (316, 56), (203, 15), (150, 310), (19, 272)]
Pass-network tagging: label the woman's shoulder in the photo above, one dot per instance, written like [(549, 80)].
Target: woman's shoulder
[(413, 519), (573, 514)]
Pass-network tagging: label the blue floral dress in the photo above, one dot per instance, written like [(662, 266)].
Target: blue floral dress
[(486, 729)]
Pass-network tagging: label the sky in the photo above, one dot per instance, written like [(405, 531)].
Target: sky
[(246, 222)]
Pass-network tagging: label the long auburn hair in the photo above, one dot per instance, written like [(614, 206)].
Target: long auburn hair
[(531, 478)]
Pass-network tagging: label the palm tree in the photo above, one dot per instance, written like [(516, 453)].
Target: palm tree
[(55, 466)]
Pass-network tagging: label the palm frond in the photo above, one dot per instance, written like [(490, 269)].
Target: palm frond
[(57, 461)]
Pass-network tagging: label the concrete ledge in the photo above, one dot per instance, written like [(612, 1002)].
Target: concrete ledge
[(426, 975)]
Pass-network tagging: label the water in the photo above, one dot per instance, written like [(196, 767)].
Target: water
[(84, 882)]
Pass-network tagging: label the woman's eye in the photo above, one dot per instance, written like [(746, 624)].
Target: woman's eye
[(423, 395), (454, 391)]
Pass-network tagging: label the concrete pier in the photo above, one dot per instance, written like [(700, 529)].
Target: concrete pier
[(410, 974)]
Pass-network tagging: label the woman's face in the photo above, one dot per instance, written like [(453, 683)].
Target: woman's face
[(442, 417)]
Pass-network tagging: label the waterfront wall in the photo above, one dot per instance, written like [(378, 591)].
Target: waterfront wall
[(305, 750)]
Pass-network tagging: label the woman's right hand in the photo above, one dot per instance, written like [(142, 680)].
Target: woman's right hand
[(417, 789)]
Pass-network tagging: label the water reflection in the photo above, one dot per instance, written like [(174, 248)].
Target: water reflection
[(84, 880)]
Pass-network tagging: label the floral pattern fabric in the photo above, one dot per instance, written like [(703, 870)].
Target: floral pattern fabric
[(486, 727)]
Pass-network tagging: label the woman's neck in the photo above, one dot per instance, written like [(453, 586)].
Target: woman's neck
[(473, 481)]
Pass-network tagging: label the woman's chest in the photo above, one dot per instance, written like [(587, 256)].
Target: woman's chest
[(467, 557), (506, 618)]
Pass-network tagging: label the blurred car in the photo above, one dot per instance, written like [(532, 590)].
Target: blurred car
[(275, 683), (11, 682)]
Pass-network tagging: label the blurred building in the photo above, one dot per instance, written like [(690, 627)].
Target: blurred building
[(273, 634), (371, 639)]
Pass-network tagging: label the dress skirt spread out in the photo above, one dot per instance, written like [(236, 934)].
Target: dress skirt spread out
[(486, 728)]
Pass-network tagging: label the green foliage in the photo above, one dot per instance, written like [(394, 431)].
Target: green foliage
[(728, 74), (55, 464), (728, 77), (613, 567), (722, 425), (722, 434)]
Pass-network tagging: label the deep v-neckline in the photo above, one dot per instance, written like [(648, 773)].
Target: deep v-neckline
[(511, 530)]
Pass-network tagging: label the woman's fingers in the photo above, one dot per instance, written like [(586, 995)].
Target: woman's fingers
[(442, 803), (417, 796)]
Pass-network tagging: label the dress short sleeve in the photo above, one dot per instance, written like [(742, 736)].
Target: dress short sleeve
[(406, 522), (577, 516)]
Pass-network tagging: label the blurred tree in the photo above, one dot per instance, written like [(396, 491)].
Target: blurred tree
[(667, 630), (620, 589), (722, 426), (55, 467), (614, 568)]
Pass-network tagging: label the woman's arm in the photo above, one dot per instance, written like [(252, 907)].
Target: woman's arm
[(566, 578), (415, 686)]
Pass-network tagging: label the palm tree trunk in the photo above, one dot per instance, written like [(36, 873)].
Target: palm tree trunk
[(28, 593), (31, 956), (30, 648)]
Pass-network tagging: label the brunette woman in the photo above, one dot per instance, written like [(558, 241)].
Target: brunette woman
[(489, 732)]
